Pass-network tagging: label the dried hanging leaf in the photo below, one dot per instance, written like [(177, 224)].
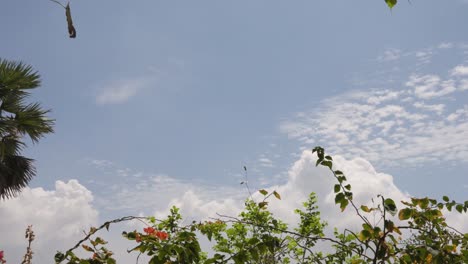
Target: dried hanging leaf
[(71, 28)]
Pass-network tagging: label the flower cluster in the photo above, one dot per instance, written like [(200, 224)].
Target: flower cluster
[(153, 232), (150, 231), (2, 260)]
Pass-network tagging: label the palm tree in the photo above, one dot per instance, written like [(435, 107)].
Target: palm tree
[(18, 119)]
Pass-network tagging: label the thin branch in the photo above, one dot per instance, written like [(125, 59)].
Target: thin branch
[(105, 225), (55, 1)]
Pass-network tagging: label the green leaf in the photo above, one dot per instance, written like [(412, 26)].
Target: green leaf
[(459, 208), (263, 191), (364, 235), (276, 194), (101, 241), (423, 203), (367, 227), (327, 163), (405, 214), (339, 198), (391, 3), (365, 208), (320, 152), (390, 206), (445, 198), (338, 172), (262, 204), (348, 187), (343, 205), (59, 257), (318, 162), (337, 188)]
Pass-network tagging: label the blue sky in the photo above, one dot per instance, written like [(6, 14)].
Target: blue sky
[(157, 99)]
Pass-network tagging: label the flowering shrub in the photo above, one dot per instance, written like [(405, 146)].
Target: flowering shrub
[(256, 236)]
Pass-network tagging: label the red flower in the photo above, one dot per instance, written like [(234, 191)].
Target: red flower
[(155, 233), (149, 230), (162, 235)]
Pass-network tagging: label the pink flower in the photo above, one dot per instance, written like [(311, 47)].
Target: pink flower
[(1, 257)]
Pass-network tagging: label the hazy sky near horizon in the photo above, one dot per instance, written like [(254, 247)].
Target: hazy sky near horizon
[(163, 102)]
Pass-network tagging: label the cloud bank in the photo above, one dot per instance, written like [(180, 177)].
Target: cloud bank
[(58, 218)]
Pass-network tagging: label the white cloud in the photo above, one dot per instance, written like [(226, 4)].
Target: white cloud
[(102, 164), (387, 133), (58, 218), (382, 96), (265, 162), (67, 210), (424, 56), (445, 45), (303, 178), (458, 114), (121, 91), (460, 70), (430, 86), (390, 55), (438, 108), (463, 85)]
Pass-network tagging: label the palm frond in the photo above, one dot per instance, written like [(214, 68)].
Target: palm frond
[(15, 174), (17, 120), (17, 75), (32, 120)]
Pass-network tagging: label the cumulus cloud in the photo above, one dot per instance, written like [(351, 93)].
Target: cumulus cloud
[(303, 178), (460, 70), (57, 216), (67, 210), (121, 91)]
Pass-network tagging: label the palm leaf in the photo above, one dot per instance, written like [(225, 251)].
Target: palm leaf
[(17, 120)]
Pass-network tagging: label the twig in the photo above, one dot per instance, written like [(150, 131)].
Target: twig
[(105, 225), (55, 1)]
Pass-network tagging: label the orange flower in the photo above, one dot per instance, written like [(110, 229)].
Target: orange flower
[(137, 238)]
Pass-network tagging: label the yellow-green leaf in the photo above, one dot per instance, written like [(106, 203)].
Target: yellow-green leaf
[(263, 191), (365, 208), (405, 213), (276, 194), (391, 3)]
